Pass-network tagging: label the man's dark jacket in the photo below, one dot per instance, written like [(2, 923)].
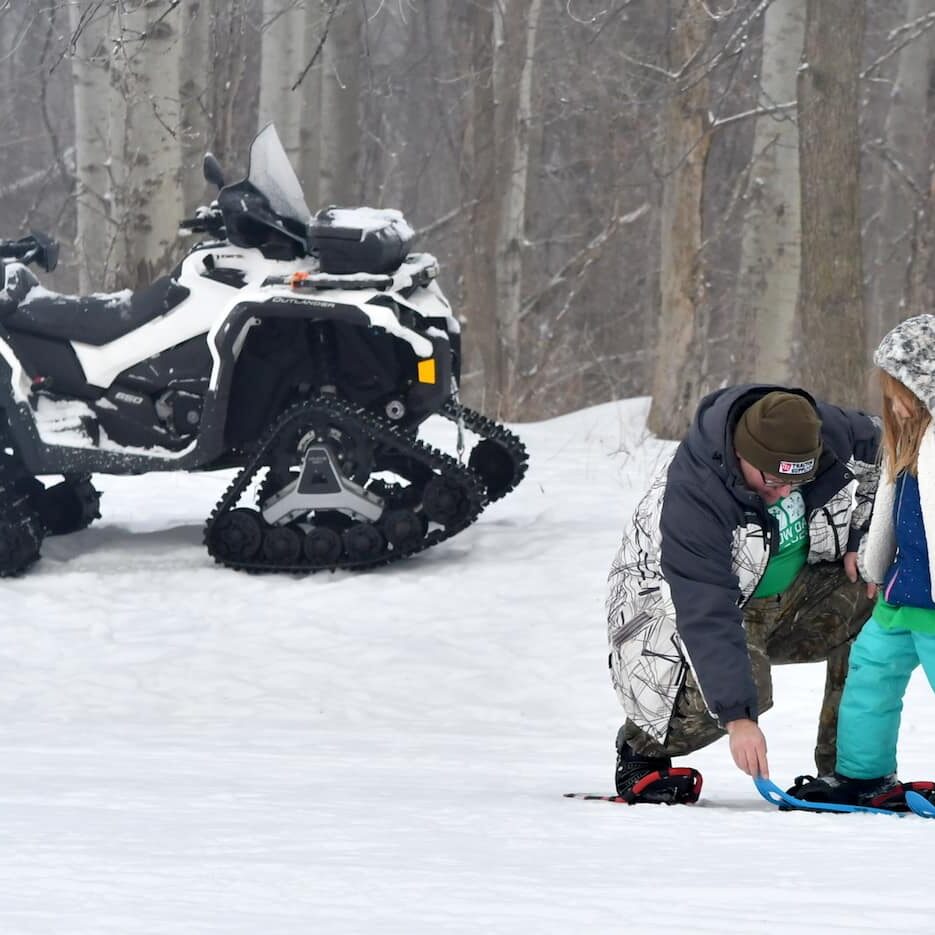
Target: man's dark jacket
[(698, 547)]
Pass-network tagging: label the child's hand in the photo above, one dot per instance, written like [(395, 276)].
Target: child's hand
[(872, 590)]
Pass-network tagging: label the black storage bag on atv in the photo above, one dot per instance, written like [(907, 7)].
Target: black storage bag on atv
[(349, 240)]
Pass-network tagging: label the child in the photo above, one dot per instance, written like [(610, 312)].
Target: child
[(899, 557)]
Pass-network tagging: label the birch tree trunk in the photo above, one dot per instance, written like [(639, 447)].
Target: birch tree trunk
[(768, 281), (340, 107), (904, 185), (680, 355), (152, 195), (282, 60), (97, 229), (831, 313), (515, 30)]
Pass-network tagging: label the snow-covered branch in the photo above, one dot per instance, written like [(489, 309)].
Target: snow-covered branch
[(739, 33), (27, 181), (912, 32), (898, 169), (746, 114)]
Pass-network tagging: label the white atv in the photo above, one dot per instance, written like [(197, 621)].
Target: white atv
[(305, 351)]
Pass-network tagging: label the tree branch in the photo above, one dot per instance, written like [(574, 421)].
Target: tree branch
[(438, 223), (321, 43), (716, 124), (586, 256), (916, 28), (67, 176)]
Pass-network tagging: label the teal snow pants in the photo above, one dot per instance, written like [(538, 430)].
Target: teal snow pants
[(868, 722)]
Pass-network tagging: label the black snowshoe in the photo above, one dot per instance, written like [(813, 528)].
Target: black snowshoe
[(654, 780), (881, 792)]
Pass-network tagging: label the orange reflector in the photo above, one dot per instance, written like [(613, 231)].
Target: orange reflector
[(427, 371)]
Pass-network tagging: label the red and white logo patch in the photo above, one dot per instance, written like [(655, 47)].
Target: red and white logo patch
[(796, 467)]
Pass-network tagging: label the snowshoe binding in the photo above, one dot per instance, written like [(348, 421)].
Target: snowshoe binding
[(653, 780), (885, 792)]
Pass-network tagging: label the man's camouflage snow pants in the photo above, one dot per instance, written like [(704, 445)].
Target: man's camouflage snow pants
[(815, 619)]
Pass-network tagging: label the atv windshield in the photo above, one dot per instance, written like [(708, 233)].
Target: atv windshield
[(271, 173)]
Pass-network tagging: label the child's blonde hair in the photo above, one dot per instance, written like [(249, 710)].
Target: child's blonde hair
[(901, 437)]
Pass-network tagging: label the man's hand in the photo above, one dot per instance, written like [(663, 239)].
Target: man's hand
[(850, 566), (748, 747)]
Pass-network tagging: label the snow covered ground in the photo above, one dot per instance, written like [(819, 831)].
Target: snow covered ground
[(186, 749)]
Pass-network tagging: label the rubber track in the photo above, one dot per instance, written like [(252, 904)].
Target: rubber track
[(16, 512), (381, 432), (480, 425)]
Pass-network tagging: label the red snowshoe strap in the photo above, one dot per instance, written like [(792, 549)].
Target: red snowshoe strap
[(895, 798), (924, 787), (676, 785)]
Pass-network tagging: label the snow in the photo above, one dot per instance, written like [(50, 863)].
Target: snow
[(112, 300), (366, 220), (185, 749), (62, 422)]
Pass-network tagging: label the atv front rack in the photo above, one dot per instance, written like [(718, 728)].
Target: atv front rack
[(418, 269)]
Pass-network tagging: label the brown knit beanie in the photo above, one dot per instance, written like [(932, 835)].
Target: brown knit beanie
[(780, 434)]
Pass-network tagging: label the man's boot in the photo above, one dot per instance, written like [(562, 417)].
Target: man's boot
[(653, 779)]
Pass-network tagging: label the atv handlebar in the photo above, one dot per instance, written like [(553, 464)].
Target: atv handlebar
[(35, 248), (207, 220)]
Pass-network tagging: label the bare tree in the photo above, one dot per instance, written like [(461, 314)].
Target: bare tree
[(921, 273), (768, 280), (478, 185), (515, 31), (236, 45), (9, 30), (317, 23), (921, 288), (283, 56), (195, 128), (97, 226), (904, 187), (680, 363), (150, 42), (339, 127), (831, 316)]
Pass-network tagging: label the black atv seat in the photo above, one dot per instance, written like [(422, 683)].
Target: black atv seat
[(93, 319)]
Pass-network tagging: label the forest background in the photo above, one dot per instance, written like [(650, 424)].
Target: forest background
[(627, 197)]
